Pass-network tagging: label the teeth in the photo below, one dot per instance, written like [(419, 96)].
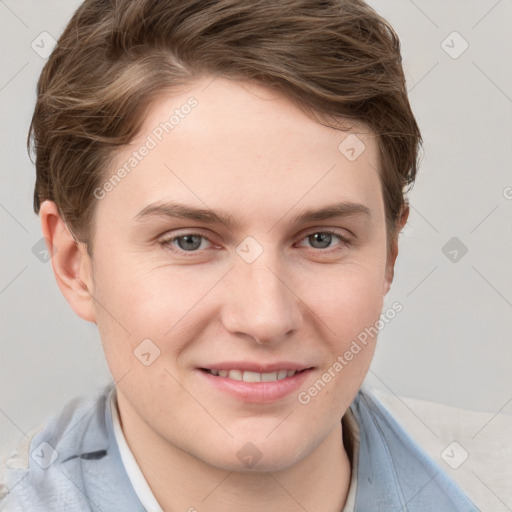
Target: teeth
[(282, 374), (235, 374), (254, 376), (251, 377)]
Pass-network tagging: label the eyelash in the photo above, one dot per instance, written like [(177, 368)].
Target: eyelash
[(166, 243)]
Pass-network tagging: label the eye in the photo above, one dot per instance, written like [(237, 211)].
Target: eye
[(187, 242), (192, 242), (322, 239)]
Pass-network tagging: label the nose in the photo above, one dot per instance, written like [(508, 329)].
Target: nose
[(259, 301)]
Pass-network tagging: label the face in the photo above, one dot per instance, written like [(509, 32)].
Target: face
[(256, 288)]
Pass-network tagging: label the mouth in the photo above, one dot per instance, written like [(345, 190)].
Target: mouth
[(251, 376), (256, 383)]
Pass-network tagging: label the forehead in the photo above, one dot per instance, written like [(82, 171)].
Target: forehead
[(244, 148)]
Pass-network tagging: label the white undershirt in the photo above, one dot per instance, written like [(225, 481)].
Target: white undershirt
[(139, 484), (148, 500)]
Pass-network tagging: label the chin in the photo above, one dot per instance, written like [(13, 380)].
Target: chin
[(268, 455)]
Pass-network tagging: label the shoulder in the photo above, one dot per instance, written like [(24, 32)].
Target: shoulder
[(36, 464), (473, 449)]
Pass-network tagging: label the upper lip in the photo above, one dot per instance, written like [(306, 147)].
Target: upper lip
[(257, 367)]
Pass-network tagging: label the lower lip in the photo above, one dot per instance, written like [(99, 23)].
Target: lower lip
[(257, 392)]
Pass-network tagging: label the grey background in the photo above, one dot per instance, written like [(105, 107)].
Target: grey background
[(450, 344)]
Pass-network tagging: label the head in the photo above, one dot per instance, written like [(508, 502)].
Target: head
[(257, 114)]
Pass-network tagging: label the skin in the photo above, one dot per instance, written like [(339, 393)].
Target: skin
[(249, 151)]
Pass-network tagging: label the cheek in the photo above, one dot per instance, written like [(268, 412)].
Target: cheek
[(125, 307), (140, 298), (349, 305), (350, 309), (136, 302), (347, 297)]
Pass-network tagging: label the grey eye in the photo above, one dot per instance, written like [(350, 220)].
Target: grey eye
[(191, 242), (321, 238)]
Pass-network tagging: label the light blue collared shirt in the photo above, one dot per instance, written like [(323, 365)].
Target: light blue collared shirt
[(74, 464)]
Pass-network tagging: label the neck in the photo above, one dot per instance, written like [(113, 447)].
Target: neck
[(179, 481)]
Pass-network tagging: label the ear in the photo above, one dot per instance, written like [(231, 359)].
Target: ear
[(71, 264), (393, 250)]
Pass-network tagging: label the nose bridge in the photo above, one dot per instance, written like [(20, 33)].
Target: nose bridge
[(260, 301)]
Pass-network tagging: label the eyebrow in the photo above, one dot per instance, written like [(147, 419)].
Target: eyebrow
[(207, 216)]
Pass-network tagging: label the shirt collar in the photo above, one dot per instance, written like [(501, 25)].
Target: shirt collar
[(137, 479), (146, 496)]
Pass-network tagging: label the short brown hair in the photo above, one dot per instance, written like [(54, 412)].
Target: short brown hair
[(336, 59)]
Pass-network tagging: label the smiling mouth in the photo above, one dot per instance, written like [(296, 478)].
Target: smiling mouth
[(248, 376)]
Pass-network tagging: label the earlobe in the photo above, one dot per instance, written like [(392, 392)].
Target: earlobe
[(393, 252), (70, 262), (390, 268)]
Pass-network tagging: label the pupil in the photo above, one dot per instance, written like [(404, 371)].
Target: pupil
[(187, 243), (323, 238)]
